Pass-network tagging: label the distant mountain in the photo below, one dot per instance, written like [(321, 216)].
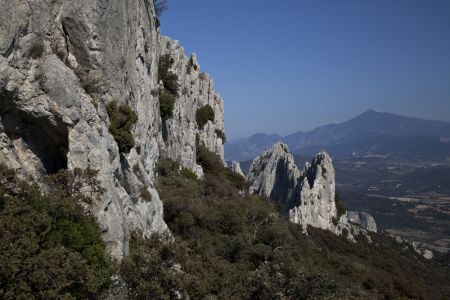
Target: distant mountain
[(371, 133)]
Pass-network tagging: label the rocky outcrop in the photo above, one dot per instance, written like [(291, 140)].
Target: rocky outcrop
[(61, 64), (236, 168), (317, 193), (363, 219), (196, 90), (417, 248), (275, 175), (308, 197)]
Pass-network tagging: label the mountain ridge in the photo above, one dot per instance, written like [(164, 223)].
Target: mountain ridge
[(369, 123)]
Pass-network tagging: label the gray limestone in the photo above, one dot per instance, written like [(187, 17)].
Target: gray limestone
[(363, 219), (236, 168), (61, 63), (307, 196)]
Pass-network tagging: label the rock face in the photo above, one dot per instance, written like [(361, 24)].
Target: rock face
[(364, 219), (275, 175), (196, 91), (317, 185), (307, 196), (425, 253), (236, 168), (61, 63)]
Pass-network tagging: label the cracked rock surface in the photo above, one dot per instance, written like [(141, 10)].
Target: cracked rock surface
[(61, 63)]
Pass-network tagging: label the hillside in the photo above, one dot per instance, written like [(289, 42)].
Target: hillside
[(113, 182)]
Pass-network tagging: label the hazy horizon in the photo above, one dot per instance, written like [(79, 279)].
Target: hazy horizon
[(331, 123), (302, 64)]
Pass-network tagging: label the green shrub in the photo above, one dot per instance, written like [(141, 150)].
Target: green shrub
[(160, 7), (148, 270), (169, 79), (188, 174), (237, 180), (229, 247), (202, 76), (209, 161), (166, 167), (221, 135), (168, 96), (232, 246), (50, 247), (145, 194), (167, 103), (122, 119), (203, 115)]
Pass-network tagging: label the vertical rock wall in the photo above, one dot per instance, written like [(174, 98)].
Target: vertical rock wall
[(61, 63), (196, 90), (307, 196)]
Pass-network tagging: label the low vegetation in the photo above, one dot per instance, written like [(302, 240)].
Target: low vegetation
[(167, 96), (227, 246), (191, 65), (167, 103), (231, 246), (169, 79), (221, 134), (122, 119), (203, 115), (50, 247), (160, 8)]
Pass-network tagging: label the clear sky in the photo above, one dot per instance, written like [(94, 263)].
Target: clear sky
[(290, 65)]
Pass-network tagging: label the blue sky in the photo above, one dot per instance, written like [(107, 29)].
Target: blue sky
[(292, 65)]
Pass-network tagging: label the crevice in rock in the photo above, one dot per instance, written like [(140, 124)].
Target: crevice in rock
[(48, 141), (285, 190), (10, 49), (165, 131)]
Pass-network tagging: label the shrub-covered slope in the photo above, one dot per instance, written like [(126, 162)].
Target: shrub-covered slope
[(240, 247), (50, 247)]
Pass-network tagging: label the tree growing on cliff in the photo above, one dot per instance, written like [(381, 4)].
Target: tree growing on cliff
[(160, 7)]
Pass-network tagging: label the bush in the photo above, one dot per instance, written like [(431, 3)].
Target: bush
[(209, 161), (169, 79), (149, 271), (221, 135), (122, 119), (226, 244), (167, 103), (50, 247), (145, 194), (202, 76), (203, 115), (188, 174), (236, 246), (237, 180)]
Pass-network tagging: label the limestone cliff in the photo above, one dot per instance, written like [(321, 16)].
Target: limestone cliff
[(364, 219), (275, 175), (236, 168), (196, 91), (61, 64), (307, 196)]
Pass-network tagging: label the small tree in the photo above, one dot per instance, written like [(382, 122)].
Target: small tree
[(167, 103), (203, 115), (122, 119), (160, 7)]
